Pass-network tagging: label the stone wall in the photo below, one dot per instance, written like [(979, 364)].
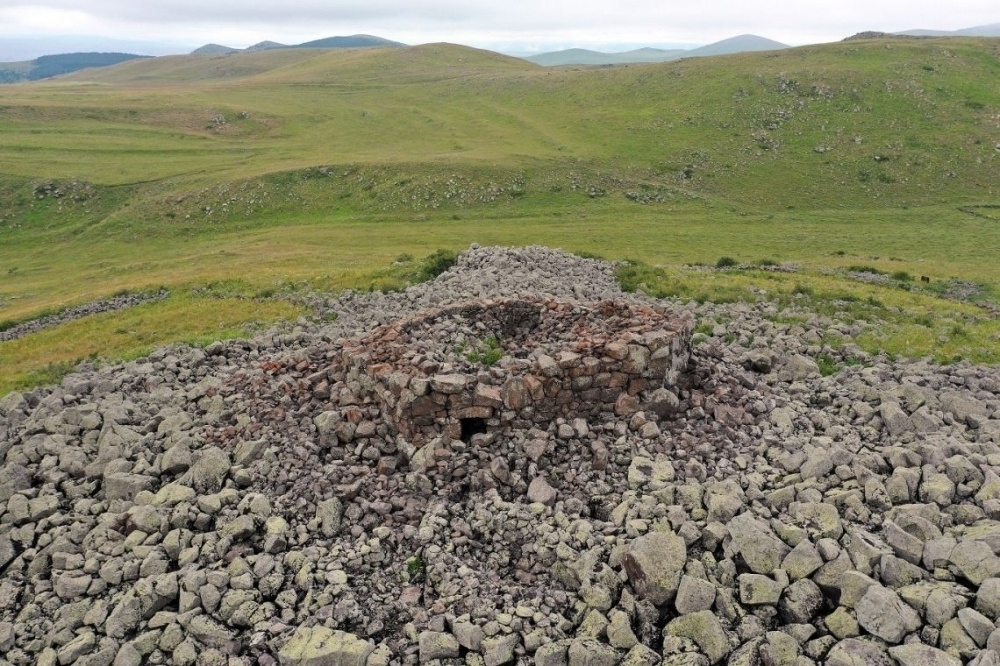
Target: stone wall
[(560, 360)]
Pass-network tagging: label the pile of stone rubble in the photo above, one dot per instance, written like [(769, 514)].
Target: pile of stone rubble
[(77, 312), (254, 503)]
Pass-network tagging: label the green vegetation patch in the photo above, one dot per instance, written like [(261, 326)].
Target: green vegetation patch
[(46, 356), (488, 352), (297, 172), (885, 318)]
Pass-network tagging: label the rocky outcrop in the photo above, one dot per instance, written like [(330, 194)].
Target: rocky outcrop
[(256, 501)]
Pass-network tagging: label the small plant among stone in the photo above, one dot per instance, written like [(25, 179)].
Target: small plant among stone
[(488, 352), (827, 365), (414, 568)]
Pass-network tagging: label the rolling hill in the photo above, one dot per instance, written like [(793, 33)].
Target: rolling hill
[(757, 113), (285, 171), (811, 116), (588, 57), (991, 30), (739, 44), (56, 65), (214, 49), (349, 42)]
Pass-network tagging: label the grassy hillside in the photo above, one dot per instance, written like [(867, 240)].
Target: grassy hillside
[(302, 168), (848, 124)]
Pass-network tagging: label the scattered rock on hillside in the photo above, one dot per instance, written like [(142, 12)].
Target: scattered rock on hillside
[(584, 500)]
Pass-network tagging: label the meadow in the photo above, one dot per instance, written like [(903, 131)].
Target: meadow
[(241, 182)]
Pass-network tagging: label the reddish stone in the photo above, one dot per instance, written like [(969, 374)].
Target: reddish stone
[(567, 360), (379, 370), (515, 394), (565, 397), (488, 396), (618, 380), (626, 405), (535, 387), (637, 385), (453, 430), (460, 401), (423, 406), (353, 414), (616, 350), (601, 456), (472, 413), (386, 465)]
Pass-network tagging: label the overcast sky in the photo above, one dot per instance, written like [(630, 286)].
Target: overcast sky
[(504, 25)]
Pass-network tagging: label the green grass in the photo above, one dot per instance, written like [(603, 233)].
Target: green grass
[(262, 175), (911, 323), (46, 356)]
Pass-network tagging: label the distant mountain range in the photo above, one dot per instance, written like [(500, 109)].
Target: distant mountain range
[(739, 44), (350, 42), (991, 30), (54, 65)]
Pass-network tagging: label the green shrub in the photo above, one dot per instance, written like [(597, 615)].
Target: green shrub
[(726, 262), (864, 269), (437, 263), (803, 289)]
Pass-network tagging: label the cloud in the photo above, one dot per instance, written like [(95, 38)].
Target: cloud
[(486, 22)]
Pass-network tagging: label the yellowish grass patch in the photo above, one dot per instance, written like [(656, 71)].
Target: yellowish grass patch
[(130, 333)]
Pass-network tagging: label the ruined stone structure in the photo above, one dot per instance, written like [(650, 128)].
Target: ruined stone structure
[(309, 496), (559, 360)]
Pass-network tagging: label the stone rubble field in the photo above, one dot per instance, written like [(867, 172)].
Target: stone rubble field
[(246, 503)]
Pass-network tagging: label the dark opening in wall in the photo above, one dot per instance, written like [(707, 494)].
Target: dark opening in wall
[(472, 427)]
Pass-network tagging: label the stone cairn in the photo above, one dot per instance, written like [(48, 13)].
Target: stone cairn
[(561, 360), (514, 464)]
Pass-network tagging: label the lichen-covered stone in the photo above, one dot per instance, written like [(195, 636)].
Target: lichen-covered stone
[(321, 646)]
